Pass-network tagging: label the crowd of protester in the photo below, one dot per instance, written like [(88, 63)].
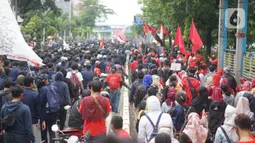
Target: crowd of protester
[(197, 103)]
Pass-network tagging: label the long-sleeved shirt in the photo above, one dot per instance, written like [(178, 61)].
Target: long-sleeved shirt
[(23, 121), (32, 101)]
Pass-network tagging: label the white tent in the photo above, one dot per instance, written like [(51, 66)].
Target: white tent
[(12, 42)]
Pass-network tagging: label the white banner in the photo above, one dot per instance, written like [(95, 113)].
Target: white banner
[(12, 42)]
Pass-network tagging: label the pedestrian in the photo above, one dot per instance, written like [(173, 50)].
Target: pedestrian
[(117, 125), (5, 94), (114, 81), (32, 100), (243, 125), (21, 130), (64, 97), (94, 109)]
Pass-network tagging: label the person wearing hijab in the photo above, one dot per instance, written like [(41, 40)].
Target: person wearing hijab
[(227, 96), (154, 114), (253, 87), (195, 129), (147, 81), (228, 126), (243, 107), (20, 80), (169, 104), (201, 102), (217, 77), (225, 81), (238, 95)]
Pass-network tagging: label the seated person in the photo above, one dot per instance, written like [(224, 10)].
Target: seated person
[(75, 119)]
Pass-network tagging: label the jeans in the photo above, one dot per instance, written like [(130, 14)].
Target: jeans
[(97, 139), (51, 119), (62, 118), (16, 139), (115, 100)]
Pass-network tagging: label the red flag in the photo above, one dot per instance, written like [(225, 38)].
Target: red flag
[(195, 38), (164, 30), (101, 44), (119, 34), (146, 28), (153, 30), (178, 40)]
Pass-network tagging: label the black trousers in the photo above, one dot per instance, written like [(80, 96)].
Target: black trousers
[(97, 139), (50, 120), (62, 118), (16, 139)]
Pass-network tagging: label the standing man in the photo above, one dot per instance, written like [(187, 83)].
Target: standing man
[(21, 130), (114, 81), (31, 99), (94, 109)]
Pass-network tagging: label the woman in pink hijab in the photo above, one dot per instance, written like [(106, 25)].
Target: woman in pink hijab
[(195, 129), (243, 107)]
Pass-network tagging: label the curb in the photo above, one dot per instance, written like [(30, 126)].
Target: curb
[(126, 118)]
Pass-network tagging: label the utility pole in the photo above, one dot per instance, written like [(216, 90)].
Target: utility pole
[(222, 33), (241, 41)]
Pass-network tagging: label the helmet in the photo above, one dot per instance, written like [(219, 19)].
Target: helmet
[(105, 94)]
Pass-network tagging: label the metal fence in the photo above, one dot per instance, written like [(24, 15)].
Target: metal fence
[(248, 63)]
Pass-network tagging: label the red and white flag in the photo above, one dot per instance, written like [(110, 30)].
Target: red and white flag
[(119, 35)]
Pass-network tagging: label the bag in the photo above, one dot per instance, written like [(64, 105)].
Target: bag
[(75, 82), (216, 115), (53, 100), (99, 106), (225, 134), (139, 95), (192, 89), (155, 128), (8, 120)]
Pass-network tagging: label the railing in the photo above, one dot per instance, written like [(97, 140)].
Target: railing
[(248, 63), (249, 66), (229, 60)]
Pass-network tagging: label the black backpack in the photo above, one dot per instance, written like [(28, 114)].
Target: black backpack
[(216, 116), (155, 127), (8, 120)]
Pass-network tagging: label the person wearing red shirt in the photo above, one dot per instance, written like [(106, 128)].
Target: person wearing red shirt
[(187, 87), (114, 81), (243, 127), (116, 126), (94, 109), (199, 57), (97, 71), (134, 64)]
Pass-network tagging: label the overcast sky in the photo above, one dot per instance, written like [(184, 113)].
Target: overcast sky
[(124, 9)]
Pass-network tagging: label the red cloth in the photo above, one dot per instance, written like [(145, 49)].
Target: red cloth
[(225, 81), (114, 80), (195, 83), (133, 65), (217, 77), (253, 83), (192, 64), (178, 40), (252, 141), (199, 57), (195, 38), (93, 117), (97, 72), (123, 135), (214, 62), (217, 94)]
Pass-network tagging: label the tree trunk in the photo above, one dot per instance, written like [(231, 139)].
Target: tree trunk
[(209, 43)]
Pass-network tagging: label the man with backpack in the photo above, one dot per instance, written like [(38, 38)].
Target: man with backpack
[(64, 97), (190, 85), (76, 79), (150, 123), (16, 119), (50, 106), (134, 87)]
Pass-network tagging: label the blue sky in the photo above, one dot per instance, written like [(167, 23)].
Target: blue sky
[(124, 9)]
